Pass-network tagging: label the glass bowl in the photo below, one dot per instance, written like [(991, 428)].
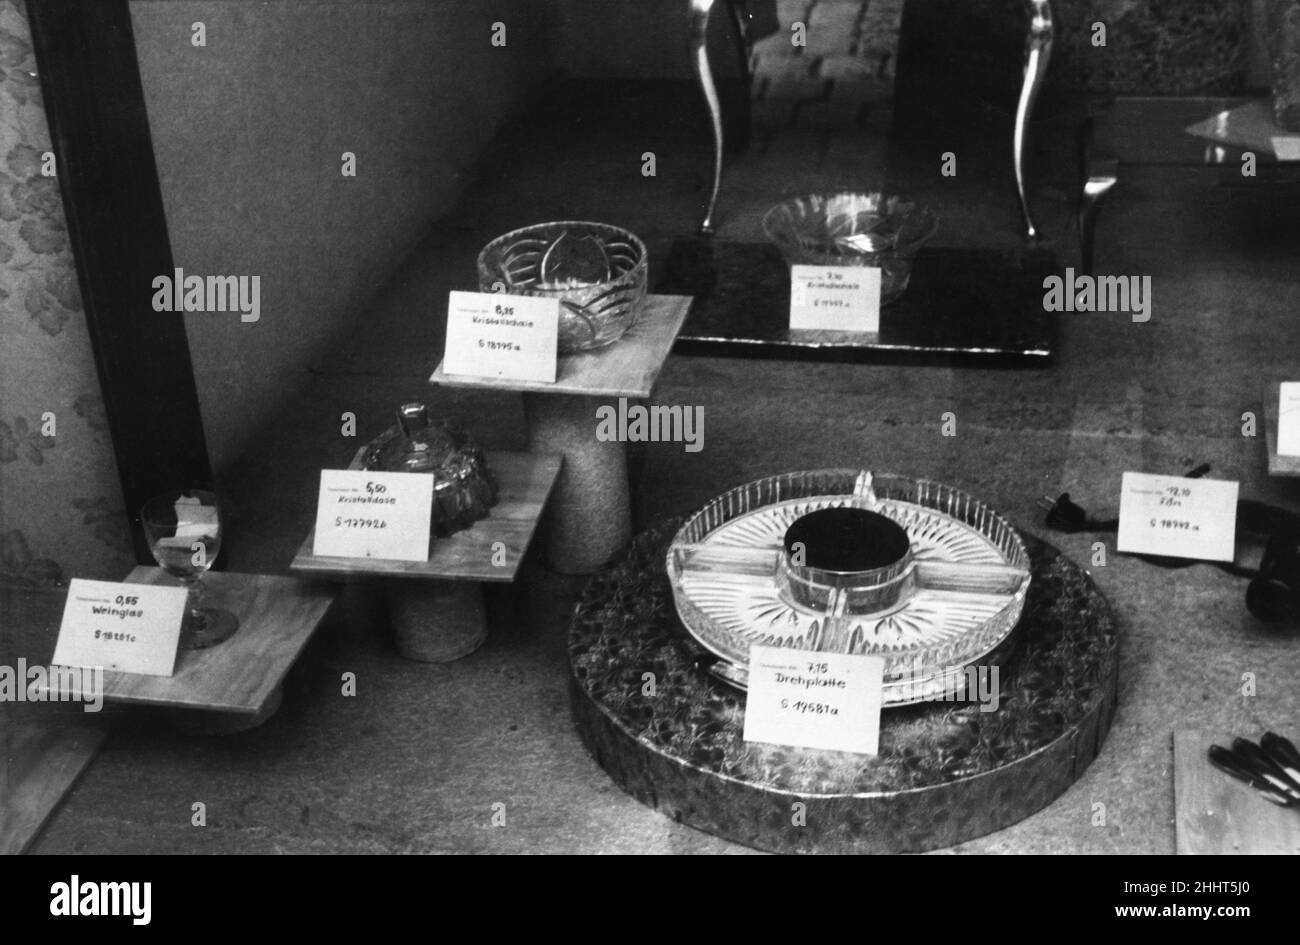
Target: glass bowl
[(946, 598), (597, 271), (853, 229), (464, 489)]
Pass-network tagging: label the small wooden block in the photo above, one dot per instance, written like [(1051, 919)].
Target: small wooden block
[(524, 483), (277, 616), (627, 368), (1217, 814), (1277, 465)]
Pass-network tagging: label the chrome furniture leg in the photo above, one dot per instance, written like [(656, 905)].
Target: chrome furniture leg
[(1038, 51), (1103, 175), (742, 22), (1100, 174), (744, 40), (700, 10)]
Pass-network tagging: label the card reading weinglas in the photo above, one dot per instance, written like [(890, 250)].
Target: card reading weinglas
[(1178, 517), (366, 514), (512, 337), (835, 298), (128, 628), (814, 700)]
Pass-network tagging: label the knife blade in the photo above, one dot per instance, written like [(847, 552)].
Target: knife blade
[(1254, 759), (1283, 753), (1231, 765)]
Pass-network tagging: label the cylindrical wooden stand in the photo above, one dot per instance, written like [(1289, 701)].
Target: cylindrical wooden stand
[(671, 734), (589, 518), (436, 621), (205, 722)]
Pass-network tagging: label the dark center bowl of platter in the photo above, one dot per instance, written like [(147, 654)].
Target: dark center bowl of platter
[(846, 540)]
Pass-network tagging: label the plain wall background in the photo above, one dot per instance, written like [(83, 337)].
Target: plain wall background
[(248, 134), (644, 39)]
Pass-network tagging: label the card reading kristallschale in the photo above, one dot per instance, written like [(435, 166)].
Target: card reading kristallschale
[(127, 628), (835, 298), (367, 514), (1178, 517), (814, 700), (511, 337)]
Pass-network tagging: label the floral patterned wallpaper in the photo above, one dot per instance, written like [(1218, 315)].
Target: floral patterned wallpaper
[(61, 513)]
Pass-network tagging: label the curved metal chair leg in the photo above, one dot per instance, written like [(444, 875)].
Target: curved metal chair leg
[(744, 36), (700, 10), (1103, 175), (1038, 51), (742, 20), (1100, 174)]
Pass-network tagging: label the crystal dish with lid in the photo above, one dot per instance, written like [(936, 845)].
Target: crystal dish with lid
[(846, 561), (464, 489)]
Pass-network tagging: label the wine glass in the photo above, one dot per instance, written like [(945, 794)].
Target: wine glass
[(184, 534)]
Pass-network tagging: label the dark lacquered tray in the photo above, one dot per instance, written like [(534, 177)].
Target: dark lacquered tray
[(963, 306)]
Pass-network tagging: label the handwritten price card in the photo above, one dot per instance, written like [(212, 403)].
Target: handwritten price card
[(1181, 518), (814, 700), (835, 298), (1286, 147), (1288, 419), (502, 336), (130, 628), (363, 514)]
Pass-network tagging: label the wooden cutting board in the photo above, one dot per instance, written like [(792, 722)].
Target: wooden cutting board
[(1216, 814)]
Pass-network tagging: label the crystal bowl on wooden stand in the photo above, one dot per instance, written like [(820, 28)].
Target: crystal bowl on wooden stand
[(597, 271)]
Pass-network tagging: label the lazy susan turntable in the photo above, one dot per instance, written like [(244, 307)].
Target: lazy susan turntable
[(921, 574)]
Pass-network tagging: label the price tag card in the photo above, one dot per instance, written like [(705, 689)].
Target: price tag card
[(814, 700), (835, 298), (1288, 419), (1286, 147), (502, 336), (1181, 518), (129, 628), (365, 514)]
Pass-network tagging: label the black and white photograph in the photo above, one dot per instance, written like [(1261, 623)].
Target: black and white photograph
[(623, 427)]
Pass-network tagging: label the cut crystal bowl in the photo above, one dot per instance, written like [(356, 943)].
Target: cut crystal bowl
[(853, 229), (764, 564), (597, 271)]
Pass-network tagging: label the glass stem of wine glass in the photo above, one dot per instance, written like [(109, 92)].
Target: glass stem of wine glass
[(194, 585)]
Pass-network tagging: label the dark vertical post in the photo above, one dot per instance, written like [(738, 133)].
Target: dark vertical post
[(90, 79)]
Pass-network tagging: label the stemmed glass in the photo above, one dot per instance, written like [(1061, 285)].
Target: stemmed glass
[(184, 534)]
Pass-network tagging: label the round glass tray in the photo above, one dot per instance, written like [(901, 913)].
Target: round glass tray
[(964, 582)]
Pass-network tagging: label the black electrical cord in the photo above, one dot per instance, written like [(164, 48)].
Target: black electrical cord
[(1063, 515), (1273, 594), (1253, 518)]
